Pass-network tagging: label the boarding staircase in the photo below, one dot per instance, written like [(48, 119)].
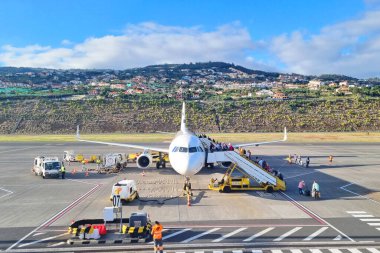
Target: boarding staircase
[(252, 169)]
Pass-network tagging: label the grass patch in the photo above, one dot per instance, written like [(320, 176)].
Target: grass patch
[(366, 137)]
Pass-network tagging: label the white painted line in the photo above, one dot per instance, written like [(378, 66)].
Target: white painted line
[(237, 251), (56, 244), (8, 192), (353, 250), (200, 235), (280, 238), (42, 240), (335, 251), (373, 250), (296, 251), (55, 217), (19, 149), (258, 234), (367, 241), (37, 234), (276, 251), (354, 193), (315, 251), (199, 252), (257, 251), (374, 224), (338, 238), (218, 251), (299, 175), (349, 238), (229, 235), (176, 233), (357, 212), (362, 215), (370, 219), (319, 231)]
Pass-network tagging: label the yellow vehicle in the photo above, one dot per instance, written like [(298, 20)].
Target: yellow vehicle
[(155, 158), (243, 182), (90, 159)]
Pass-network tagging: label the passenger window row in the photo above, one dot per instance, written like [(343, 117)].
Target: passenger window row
[(187, 150)]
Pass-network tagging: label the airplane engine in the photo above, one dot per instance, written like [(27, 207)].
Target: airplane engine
[(225, 165), (144, 161)]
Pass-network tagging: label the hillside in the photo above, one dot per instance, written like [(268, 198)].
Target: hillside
[(106, 116)]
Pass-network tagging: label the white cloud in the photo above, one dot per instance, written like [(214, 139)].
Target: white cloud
[(140, 45), (350, 48)]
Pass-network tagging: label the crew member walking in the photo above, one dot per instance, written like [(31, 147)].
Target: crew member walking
[(157, 237), (330, 159), (63, 170), (307, 162)]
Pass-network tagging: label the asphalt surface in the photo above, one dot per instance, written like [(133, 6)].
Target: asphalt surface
[(35, 212)]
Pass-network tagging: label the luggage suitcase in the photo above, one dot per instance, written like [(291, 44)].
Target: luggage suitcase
[(307, 192)]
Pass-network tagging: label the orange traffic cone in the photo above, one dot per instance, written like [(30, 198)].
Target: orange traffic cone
[(143, 174)]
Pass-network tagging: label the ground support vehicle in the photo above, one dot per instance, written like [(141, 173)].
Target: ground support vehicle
[(112, 163), (126, 190), (236, 179), (157, 157), (46, 167), (136, 228), (70, 156), (139, 226)]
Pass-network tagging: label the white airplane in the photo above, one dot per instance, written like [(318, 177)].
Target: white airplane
[(186, 152)]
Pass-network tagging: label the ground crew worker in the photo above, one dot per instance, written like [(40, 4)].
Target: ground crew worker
[(307, 162), (157, 237), (330, 159), (63, 170), (83, 163), (98, 163)]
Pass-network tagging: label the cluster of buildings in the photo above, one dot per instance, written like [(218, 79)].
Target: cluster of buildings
[(171, 81)]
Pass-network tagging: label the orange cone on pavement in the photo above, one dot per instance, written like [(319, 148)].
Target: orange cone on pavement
[(143, 174)]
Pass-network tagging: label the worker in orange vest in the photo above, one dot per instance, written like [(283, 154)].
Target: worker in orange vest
[(157, 237)]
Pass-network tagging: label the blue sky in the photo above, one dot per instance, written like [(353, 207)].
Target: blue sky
[(308, 37)]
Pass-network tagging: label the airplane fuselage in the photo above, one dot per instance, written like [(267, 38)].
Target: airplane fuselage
[(186, 154)]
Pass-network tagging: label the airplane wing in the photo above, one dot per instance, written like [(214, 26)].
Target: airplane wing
[(122, 144), (262, 143)]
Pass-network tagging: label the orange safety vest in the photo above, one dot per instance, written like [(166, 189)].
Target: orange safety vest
[(157, 232)]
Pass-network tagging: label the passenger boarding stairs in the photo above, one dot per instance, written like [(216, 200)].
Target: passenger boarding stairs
[(252, 169)]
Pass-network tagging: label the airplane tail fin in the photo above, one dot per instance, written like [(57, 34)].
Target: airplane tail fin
[(78, 136), (183, 119)]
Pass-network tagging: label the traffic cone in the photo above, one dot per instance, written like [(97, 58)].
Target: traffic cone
[(188, 200), (143, 174)]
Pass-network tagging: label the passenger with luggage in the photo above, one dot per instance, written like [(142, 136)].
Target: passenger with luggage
[(315, 190), (301, 186)]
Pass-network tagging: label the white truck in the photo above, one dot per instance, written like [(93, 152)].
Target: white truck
[(46, 166), (124, 191)]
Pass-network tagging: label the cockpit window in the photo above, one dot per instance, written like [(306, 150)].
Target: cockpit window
[(192, 149), (183, 149)]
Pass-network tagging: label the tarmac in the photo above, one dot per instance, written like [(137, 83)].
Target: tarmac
[(30, 205)]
